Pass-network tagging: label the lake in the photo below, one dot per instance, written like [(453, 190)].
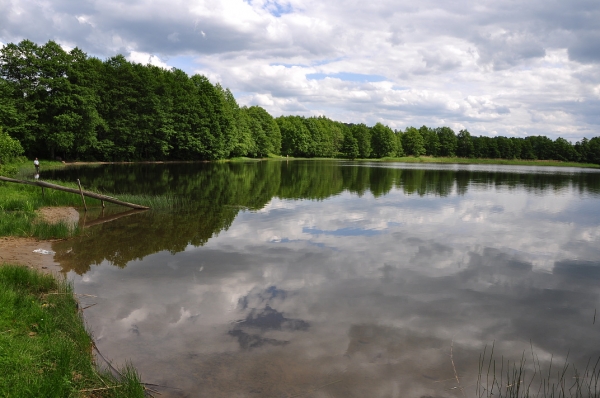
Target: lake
[(339, 279)]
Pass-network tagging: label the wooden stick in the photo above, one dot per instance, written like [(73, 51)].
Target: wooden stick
[(81, 192), (71, 190)]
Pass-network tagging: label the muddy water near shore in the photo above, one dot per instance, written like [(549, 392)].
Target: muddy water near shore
[(336, 279)]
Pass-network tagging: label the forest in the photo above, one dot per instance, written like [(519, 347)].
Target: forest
[(68, 105)]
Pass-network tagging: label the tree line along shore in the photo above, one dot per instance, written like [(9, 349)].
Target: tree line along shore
[(55, 103)]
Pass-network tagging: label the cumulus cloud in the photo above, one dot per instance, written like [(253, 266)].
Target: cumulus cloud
[(493, 68)]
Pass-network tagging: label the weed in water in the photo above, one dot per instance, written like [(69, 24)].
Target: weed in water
[(523, 379)]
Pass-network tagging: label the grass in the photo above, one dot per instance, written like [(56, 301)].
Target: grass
[(512, 162), (524, 379), (18, 217), (45, 350), (155, 202), (447, 160)]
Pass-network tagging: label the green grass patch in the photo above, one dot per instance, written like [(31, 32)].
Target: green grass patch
[(511, 162), (26, 169), (241, 159), (456, 160), (45, 350), (29, 224), (18, 217)]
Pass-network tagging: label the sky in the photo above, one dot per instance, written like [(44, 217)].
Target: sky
[(502, 67)]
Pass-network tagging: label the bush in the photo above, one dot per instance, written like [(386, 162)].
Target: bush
[(9, 148)]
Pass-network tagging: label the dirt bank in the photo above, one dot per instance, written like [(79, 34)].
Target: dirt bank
[(36, 253), (56, 214)]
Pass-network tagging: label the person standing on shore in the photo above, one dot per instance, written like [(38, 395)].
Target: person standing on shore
[(36, 163)]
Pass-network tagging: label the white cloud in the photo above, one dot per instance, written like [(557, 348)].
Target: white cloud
[(493, 68), (145, 58)]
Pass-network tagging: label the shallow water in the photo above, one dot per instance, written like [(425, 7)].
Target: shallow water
[(339, 279)]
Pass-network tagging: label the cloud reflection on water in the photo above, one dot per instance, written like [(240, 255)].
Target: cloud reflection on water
[(360, 296)]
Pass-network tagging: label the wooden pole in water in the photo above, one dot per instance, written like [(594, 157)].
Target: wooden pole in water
[(75, 191), (81, 192)]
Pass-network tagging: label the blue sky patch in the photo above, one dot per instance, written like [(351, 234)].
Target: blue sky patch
[(277, 10)]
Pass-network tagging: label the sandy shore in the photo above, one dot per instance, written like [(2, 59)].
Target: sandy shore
[(32, 252), (21, 251)]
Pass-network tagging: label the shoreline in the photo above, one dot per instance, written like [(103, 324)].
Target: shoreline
[(404, 159), (21, 250), (18, 250)]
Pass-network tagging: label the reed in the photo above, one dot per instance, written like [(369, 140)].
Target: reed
[(526, 378), (156, 202)]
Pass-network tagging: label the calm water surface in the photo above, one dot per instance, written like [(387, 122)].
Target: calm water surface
[(338, 279)]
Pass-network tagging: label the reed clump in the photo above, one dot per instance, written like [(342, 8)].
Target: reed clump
[(527, 378), (156, 202)]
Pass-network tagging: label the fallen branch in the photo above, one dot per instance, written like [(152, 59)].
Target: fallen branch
[(75, 191)]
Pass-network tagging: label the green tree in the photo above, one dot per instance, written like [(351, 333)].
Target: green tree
[(362, 134), (317, 137), (582, 147), (526, 150), (399, 146), (542, 147), (448, 141), (268, 137), (350, 146), (593, 154), (517, 147), (241, 143), (505, 148), (20, 69), (331, 137), (9, 148), (383, 141), (464, 144), (413, 142), (564, 150), (431, 141), (296, 139)]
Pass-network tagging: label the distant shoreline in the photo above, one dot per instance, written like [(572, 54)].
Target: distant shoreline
[(405, 159)]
